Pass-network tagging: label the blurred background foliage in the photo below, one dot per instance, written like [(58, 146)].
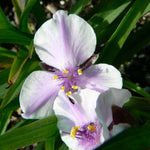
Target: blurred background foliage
[(123, 40)]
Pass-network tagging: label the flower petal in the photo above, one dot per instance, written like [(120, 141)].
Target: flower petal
[(83, 109), (73, 144), (101, 77), (87, 98), (65, 40), (65, 110), (37, 95), (107, 100), (79, 113), (104, 106)]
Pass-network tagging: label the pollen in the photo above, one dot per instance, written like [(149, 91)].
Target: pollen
[(74, 131), (79, 72), (55, 77), (92, 128), (74, 87), (65, 71), (63, 88), (68, 93)]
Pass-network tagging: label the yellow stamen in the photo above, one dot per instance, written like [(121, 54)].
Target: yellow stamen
[(63, 88), (55, 77), (65, 71), (79, 72), (74, 131), (68, 93), (74, 87), (92, 128)]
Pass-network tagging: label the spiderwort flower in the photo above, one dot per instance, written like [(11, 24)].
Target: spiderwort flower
[(84, 123), (65, 44)]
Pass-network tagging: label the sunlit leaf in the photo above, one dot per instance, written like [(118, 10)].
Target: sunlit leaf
[(35, 132), (117, 40), (79, 6), (134, 44), (105, 14), (132, 86)]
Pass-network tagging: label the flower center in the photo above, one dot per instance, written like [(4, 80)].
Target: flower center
[(68, 79), (88, 134)]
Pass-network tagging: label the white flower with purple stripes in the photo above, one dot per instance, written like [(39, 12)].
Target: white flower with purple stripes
[(65, 44)]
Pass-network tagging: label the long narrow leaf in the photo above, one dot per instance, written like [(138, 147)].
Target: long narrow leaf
[(15, 36), (106, 15), (135, 88), (7, 53), (134, 44), (4, 23), (4, 120), (117, 40), (25, 15), (79, 6), (18, 9), (35, 132), (17, 65)]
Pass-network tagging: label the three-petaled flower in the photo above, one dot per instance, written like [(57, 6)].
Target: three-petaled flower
[(84, 123), (65, 44)]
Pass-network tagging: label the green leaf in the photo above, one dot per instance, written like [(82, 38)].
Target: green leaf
[(63, 147), (4, 120), (105, 34), (15, 36), (117, 40), (134, 44), (4, 23), (31, 49), (139, 108), (10, 34), (135, 138), (13, 105), (17, 66), (3, 90), (132, 86), (24, 17), (105, 29), (50, 143), (79, 6), (147, 9), (7, 53), (39, 14), (106, 12), (18, 9), (35, 132), (4, 75)]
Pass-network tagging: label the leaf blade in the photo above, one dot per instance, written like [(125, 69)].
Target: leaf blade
[(29, 134)]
